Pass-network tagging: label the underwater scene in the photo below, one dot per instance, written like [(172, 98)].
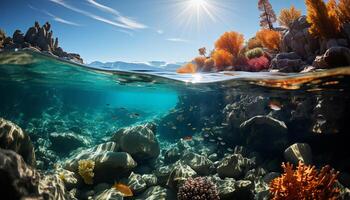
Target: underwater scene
[(93, 133)]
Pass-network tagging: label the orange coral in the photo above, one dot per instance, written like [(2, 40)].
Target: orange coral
[(231, 42), (288, 16), (270, 39), (189, 68), (323, 18), (209, 64), (305, 183), (344, 10), (222, 59), (200, 61)]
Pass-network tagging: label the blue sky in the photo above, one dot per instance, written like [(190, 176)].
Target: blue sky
[(137, 30)]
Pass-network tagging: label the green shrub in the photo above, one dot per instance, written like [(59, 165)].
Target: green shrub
[(254, 53)]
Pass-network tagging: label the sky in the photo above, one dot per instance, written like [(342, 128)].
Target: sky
[(137, 30)]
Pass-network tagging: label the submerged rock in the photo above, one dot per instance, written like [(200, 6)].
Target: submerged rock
[(334, 57), (66, 142), (264, 134), (139, 141), (157, 193), (136, 183), (298, 152), (229, 188), (13, 138), (288, 62), (109, 194), (200, 164), (179, 174), (234, 166), (109, 165)]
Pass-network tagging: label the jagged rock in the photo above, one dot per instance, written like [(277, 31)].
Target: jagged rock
[(109, 194), (234, 166), (157, 193), (337, 57), (255, 174), (298, 152), (179, 174), (31, 34), (270, 176), (287, 62), (136, 183), (172, 155), (109, 165), (150, 179), (18, 37), (66, 142), (163, 173), (229, 188), (264, 134), (69, 178), (139, 141), (200, 164), (52, 187), (13, 138)]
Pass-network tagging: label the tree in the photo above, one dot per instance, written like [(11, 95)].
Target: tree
[(202, 51), (344, 11), (270, 39), (231, 42), (222, 59), (288, 16), (267, 16), (323, 19)]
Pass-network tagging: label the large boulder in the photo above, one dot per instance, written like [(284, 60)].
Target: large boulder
[(288, 62), (264, 134), (18, 37), (13, 138), (109, 165), (334, 57), (298, 152), (64, 143), (157, 193), (199, 163), (139, 141), (179, 174), (234, 166)]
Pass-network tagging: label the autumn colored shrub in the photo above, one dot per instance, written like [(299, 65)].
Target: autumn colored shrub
[(200, 61), (258, 63), (344, 11), (209, 65), (288, 16), (267, 16), (231, 42), (270, 39), (323, 18), (188, 68), (305, 182), (254, 43), (254, 53), (222, 59)]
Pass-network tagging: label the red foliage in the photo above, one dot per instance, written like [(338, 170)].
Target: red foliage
[(258, 64)]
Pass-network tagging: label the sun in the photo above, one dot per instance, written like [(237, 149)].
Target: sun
[(197, 3)]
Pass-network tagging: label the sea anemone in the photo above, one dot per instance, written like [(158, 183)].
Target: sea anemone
[(86, 170), (199, 188)]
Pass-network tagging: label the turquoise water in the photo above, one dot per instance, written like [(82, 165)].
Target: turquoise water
[(213, 113)]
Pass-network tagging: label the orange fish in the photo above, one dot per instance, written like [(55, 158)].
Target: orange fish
[(275, 105), (124, 189), (187, 138)]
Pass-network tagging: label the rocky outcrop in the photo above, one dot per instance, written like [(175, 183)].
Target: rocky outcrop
[(234, 166), (201, 164), (109, 165), (64, 143), (334, 57), (139, 141), (12, 137), (40, 38), (288, 62), (158, 193), (298, 152)]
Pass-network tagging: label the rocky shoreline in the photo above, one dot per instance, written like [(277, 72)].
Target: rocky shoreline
[(38, 39)]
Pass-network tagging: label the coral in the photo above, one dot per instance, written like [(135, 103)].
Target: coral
[(305, 183), (258, 63), (254, 53), (188, 68), (199, 188), (344, 11), (200, 62), (270, 39), (267, 16), (209, 64), (86, 170), (231, 42), (288, 16), (323, 18), (222, 59), (202, 51), (254, 43)]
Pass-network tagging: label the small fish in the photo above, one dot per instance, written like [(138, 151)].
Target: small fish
[(275, 105), (187, 138), (174, 128), (211, 140), (124, 189), (206, 135), (193, 129), (220, 138), (224, 124), (223, 143), (229, 149)]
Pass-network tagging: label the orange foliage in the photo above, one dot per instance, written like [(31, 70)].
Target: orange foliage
[(189, 68), (222, 59), (200, 61), (323, 18), (254, 43), (209, 64), (305, 183), (288, 16), (231, 42), (270, 39), (344, 11)]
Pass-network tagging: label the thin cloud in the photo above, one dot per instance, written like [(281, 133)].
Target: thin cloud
[(103, 7), (178, 40), (160, 32), (54, 17)]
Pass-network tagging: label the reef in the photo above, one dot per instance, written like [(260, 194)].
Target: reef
[(37, 39)]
